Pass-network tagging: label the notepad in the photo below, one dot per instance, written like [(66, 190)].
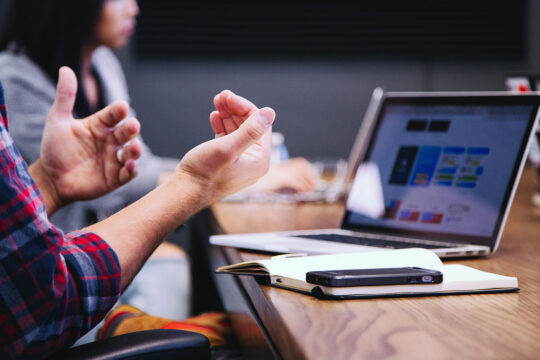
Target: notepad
[(289, 272)]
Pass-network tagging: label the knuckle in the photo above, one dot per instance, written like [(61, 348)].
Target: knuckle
[(254, 132)]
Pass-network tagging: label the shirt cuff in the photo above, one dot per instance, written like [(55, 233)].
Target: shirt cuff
[(94, 268)]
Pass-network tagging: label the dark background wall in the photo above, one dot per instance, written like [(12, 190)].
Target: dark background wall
[(319, 100)]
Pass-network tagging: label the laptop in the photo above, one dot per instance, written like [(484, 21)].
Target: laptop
[(448, 164)]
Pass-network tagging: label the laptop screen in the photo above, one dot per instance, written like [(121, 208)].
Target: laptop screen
[(447, 165)]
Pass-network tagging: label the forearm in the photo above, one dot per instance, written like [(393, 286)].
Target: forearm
[(137, 230)]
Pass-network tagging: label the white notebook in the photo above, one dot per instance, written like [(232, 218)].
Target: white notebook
[(289, 271)]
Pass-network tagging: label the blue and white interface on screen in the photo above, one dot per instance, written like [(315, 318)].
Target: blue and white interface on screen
[(445, 169)]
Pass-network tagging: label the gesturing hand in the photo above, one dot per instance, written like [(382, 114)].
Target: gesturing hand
[(231, 111), (87, 158), (238, 156), (295, 174)]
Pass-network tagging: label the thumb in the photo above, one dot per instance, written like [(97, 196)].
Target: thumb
[(251, 131), (66, 93)]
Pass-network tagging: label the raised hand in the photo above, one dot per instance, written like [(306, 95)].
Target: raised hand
[(87, 158), (238, 156), (295, 175)]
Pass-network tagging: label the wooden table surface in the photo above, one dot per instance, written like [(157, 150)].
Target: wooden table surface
[(491, 326)]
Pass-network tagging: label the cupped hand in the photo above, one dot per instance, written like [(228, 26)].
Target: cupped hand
[(87, 158), (296, 174), (238, 156)]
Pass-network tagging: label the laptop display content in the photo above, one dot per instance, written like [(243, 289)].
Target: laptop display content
[(448, 166)]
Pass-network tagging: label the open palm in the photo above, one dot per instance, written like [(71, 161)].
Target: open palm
[(80, 156)]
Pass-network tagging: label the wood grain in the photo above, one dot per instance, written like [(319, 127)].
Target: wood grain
[(494, 326)]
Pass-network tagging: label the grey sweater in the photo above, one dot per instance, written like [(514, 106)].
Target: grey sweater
[(29, 95)]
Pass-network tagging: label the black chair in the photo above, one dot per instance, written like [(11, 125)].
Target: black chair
[(142, 345)]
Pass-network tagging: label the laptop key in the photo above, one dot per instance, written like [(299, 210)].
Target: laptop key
[(393, 244)]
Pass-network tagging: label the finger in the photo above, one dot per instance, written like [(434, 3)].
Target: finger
[(230, 125), (251, 131), (126, 131), (220, 102), (127, 172), (233, 109), (228, 103), (132, 151), (240, 106), (110, 116), (66, 93), (217, 124)]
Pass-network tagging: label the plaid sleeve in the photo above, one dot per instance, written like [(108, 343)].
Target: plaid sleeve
[(53, 287)]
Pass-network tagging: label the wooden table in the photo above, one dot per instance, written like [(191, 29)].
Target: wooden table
[(272, 322)]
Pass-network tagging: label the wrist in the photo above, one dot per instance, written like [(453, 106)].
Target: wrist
[(195, 191), (47, 187)]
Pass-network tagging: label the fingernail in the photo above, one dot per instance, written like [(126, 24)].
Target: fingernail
[(267, 116)]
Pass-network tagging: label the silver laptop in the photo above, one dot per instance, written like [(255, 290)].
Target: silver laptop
[(448, 165)]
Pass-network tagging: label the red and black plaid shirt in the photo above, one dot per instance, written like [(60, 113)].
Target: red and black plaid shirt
[(53, 287)]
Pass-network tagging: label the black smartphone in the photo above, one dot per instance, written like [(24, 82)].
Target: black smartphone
[(370, 277)]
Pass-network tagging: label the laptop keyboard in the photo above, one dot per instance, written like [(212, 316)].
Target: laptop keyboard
[(393, 244)]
